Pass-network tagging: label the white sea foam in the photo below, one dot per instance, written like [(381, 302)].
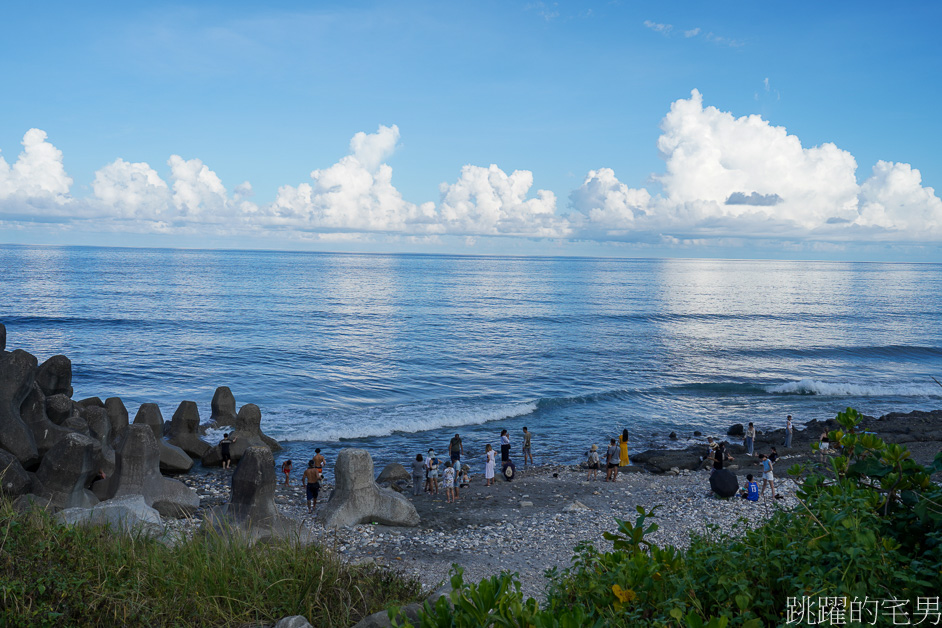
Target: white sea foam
[(847, 389), (409, 418)]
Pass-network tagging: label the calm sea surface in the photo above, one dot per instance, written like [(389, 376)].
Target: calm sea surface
[(396, 353)]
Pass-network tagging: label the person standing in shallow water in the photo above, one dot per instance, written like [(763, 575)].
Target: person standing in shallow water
[(286, 469), (455, 448), (623, 448), (224, 446), (526, 446), (319, 462)]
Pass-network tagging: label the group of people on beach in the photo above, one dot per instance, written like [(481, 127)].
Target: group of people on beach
[(718, 455), (311, 477), (453, 474)]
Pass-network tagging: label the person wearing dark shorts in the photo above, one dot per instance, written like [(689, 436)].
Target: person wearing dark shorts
[(312, 478), (224, 445), (612, 457), (455, 448)]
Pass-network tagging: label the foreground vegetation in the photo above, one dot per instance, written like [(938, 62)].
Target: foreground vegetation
[(869, 528), (52, 575)]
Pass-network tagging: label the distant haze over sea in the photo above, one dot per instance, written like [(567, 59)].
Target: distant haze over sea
[(396, 353)]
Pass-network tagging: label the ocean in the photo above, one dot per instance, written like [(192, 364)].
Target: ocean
[(397, 353)]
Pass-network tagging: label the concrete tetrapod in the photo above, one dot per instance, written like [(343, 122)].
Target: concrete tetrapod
[(358, 499), (137, 472), (251, 511)]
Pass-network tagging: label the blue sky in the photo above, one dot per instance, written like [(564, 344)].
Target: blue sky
[(484, 127)]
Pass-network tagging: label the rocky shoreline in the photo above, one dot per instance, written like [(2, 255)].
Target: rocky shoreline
[(73, 455)]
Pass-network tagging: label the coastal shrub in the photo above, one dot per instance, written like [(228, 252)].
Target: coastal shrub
[(54, 575), (868, 528)]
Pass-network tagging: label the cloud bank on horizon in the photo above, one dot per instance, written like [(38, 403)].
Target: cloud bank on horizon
[(724, 177)]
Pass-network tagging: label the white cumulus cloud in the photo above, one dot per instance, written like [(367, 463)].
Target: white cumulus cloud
[(729, 176), (37, 173)]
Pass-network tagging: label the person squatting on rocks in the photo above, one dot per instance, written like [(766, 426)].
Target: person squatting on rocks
[(312, 479), (418, 472), (611, 461), (592, 461), (224, 446), (489, 464), (526, 446)]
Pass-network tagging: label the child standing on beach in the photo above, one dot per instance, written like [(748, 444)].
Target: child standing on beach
[(448, 479), (433, 473), (593, 462), (488, 465), (286, 469)]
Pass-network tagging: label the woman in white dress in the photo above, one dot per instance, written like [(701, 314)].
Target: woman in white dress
[(489, 465)]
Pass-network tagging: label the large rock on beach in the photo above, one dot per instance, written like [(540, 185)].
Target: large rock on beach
[(172, 458), (68, 469), (33, 411), (17, 370), (663, 460), (54, 376), (247, 433), (223, 408), (137, 472), (358, 499), (128, 514), (14, 480), (735, 430), (184, 430), (251, 511), (394, 472)]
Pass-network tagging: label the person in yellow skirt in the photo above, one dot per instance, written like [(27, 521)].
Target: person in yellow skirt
[(623, 443)]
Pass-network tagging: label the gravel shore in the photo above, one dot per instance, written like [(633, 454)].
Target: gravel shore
[(526, 526)]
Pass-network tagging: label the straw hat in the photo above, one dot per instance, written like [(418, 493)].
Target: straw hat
[(595, 447)]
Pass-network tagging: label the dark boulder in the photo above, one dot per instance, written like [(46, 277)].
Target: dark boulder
[(90, 402), (17, 371), (663, 460), (33, 412), (172, 458), (673, 436), (137, 472), (724, 483), (223, 408), (55, 376), (3, 338), (735, 430), (68, 469), (394, 472), (14, 480), (184, 430), (58, 408)]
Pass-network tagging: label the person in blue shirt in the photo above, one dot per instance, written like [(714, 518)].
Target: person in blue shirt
[(752, 490), (767, 476)]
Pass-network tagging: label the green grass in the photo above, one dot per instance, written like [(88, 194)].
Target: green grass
[(54, 575)]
